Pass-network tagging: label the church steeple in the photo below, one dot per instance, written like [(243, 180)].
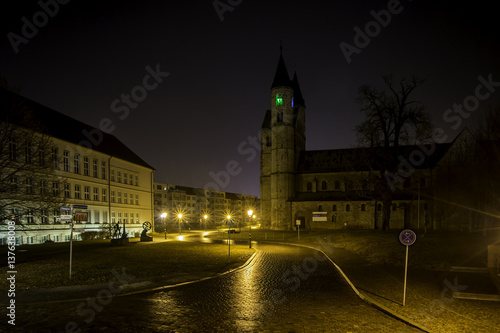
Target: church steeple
[(297, 94), (281, 78)]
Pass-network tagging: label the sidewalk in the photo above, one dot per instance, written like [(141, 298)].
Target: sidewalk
[(429, 296)]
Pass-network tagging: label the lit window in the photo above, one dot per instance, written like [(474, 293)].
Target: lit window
[(279, 99)]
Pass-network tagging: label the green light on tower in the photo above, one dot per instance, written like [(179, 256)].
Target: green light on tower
[(279, 99)]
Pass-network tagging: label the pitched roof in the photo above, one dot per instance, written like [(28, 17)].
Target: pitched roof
[(297, 94), (16, 108), (363, 159), (281, 78)]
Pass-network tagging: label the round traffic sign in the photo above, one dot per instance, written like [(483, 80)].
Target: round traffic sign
[(407, 237)]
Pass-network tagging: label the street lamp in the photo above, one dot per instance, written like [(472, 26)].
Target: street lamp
[(229, 238), (250, 212), (179, 216), (205, 217), (164, 225)]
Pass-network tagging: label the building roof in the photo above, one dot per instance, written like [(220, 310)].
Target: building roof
[(16, 109), (363, 159), (297, 94), (281, 78)]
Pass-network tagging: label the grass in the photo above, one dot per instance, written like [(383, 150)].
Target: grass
[(47, 265), (434, 250)]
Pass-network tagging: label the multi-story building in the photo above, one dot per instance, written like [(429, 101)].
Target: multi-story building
[(201, 208), (83, 167)]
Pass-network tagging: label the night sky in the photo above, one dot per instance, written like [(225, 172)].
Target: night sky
[(198, 117)]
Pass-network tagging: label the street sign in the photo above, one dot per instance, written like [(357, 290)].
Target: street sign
[(80, 207), (407, 237), (66, 209), (297, 222), (66, 217)]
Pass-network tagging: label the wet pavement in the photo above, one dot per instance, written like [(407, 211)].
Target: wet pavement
[(284, 289)]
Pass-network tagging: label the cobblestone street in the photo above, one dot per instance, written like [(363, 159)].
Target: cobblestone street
[(284, 289)]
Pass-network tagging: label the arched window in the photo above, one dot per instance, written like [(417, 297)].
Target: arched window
[(334, 218), (363, 207), (334, 208), (320, 208), (268, 141), (309, 186), (280, 117), (323, 185), (347, 208), (337, 184)]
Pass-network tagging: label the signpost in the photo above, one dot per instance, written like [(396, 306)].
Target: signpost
[(297, 222), (407, 237)]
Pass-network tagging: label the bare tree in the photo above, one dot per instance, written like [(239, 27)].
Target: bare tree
[(392, 120), (29, 188)]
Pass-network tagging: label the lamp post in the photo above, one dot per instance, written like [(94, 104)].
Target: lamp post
[(164, 225), (205, 217), (229, 238), (179, 216), (250, 212)]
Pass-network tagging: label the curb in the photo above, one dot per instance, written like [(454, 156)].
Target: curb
[(366, 298), (154, 289)]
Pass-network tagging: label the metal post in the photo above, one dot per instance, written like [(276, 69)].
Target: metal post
[(71, 249), (406, 271), (229, 243)]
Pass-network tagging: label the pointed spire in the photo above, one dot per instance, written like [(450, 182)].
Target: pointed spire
[(281, 77), (297, 94)]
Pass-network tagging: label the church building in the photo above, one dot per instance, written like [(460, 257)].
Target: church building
[(336, 189)]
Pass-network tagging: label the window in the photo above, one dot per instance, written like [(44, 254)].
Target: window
[(119, 197), (334, 218), (119, 175), (86, 166), (13, 150), (350, 185), (28, 182), (394, 207), (125, 217), (42, 158), (95, 171), (364, 184), (77, 192), (323, 185), (103, 170), (279, 117), (28, 150), (55, 189), (55, 158), (363, 207), (125, 178), (96, 194), (136, 180), (67, 190), (131, 179), (347, 208), (30, 212), (337, 184), (14, 183), (113, 175), (379, 207), (105, 217), (96, 216), (87, 192), (320, 208), (104, 195), (112, 196), (334, 208), (76, 163), (113, 217), (309, 186), (268, 141), (279, 99), (125, 198), (66, 161), (43, 187), (137, 199)]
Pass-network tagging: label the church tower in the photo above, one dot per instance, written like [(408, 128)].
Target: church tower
[(282, 140)]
